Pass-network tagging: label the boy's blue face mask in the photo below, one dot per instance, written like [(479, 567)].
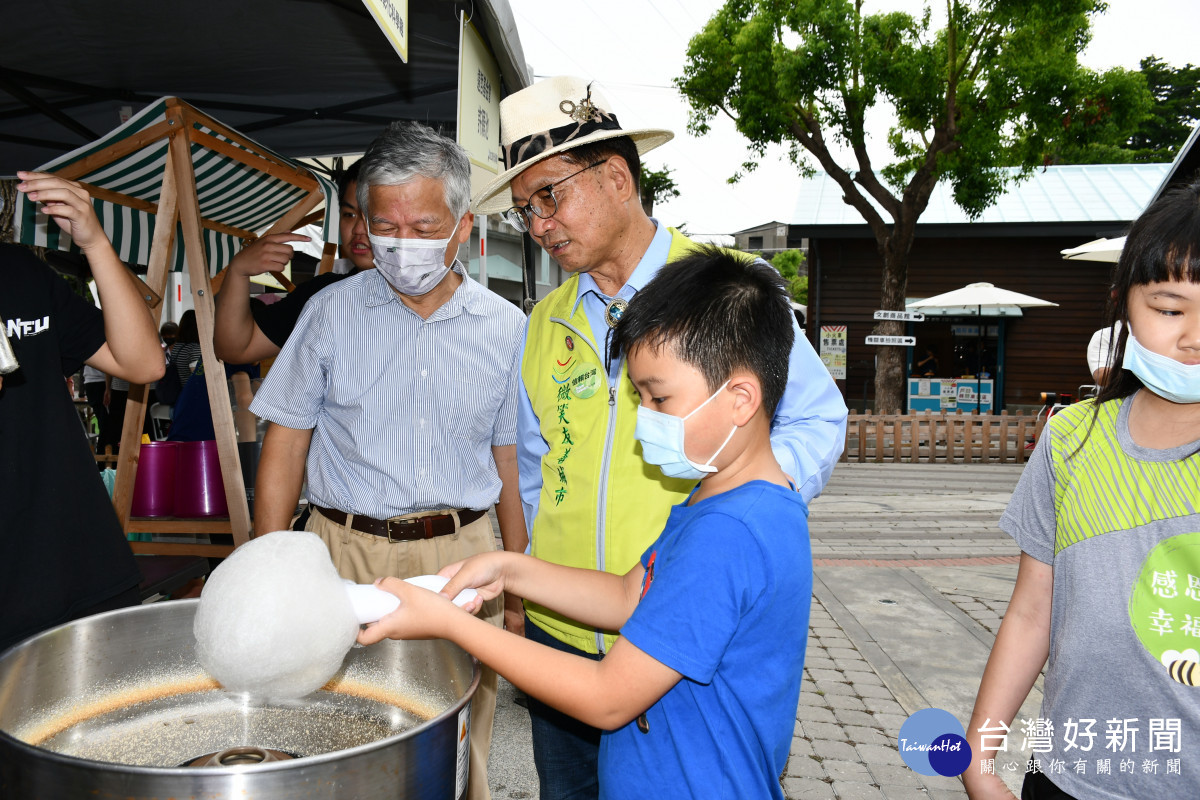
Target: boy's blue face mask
[(1166, 377), (662, 438)]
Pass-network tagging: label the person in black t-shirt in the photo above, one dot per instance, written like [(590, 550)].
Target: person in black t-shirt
[(247, 331), (65, 555), (927, 367)]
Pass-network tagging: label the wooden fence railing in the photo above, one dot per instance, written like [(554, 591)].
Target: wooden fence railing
[(940, 437)]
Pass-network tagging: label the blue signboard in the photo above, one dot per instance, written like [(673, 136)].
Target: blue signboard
[(951, 394)]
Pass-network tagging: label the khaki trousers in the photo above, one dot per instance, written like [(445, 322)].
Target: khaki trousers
[(363, 557)]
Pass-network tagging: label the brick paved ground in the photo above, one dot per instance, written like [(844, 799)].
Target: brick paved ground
[(937, 524), (846, 724)]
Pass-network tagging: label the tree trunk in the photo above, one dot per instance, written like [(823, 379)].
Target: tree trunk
[(890, 362)]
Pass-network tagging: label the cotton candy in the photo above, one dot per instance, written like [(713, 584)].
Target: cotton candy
[(274, 619)]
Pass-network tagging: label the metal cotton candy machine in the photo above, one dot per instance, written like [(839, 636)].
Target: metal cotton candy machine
[(116, 706)]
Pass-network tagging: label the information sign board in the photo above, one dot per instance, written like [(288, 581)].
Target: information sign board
[(906, 316), (392, 18), (899, 341), (833, 350), (478, 101)]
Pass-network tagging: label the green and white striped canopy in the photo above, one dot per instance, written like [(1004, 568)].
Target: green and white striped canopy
[(237, 200)]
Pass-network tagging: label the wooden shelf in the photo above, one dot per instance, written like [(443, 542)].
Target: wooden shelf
[(199, 526), (180, 525), (181, 549)]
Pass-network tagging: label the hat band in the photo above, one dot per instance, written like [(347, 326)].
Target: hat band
[(535, 144)]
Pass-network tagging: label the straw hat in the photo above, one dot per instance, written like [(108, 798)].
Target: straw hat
[(547, 118)]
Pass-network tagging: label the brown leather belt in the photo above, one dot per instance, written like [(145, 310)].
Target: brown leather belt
[(404, 530)]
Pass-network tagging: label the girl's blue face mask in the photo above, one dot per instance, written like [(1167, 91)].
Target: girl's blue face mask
[(1166, 377), (662, 438)]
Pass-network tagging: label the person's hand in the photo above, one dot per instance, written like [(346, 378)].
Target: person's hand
[(67, 203), (514, 614), (985, 786), (422, 614), (269, 253), (484, 573), (107, 396)]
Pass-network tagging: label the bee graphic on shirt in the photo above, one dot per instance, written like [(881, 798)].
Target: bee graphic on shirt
[(1182, 666)]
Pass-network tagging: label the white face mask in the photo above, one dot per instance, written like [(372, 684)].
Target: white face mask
[(412, 266), (1166, 377)]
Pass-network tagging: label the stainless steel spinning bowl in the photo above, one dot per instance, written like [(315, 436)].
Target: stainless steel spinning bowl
[(115, 705)]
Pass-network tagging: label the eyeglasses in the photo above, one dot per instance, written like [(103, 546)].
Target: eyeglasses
[(543, 203)]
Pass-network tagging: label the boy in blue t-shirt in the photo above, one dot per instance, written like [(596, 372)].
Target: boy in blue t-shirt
[(698, 695)]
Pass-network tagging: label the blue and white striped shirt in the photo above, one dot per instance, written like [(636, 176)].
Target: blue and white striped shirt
[(404, 410)]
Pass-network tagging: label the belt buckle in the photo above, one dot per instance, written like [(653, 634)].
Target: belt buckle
[(400, 523), (423, 524)]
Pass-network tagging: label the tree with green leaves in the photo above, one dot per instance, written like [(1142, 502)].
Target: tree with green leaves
[(1162, 130), (999, 86), (656, 186), (1175, 111), (788, 264)]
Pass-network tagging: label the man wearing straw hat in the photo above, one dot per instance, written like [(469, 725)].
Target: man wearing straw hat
[(571, 182)]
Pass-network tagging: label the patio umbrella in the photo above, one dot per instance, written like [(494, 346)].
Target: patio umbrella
[(1096, 250), (980, 295)]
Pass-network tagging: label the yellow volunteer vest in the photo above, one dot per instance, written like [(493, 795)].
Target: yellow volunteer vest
[(601, 505)]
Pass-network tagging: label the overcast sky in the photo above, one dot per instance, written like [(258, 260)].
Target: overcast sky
[(634, 48)]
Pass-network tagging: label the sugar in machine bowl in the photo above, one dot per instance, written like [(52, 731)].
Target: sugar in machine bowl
[(116, 705)]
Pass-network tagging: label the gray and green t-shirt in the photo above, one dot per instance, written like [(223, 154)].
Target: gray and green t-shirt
[(1120, 525)]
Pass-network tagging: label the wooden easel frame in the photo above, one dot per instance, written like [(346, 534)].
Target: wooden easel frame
[(178, 203)]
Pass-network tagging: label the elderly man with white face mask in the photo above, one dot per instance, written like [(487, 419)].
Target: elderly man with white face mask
[(398, 391)]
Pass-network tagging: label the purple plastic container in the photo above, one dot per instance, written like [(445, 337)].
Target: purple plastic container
[(154, 489), (199, 491)]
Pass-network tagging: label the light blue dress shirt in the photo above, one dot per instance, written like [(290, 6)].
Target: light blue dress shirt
[(404, 410), (807, 433)]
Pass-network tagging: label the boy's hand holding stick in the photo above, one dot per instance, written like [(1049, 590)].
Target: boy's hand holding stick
[(423, 614)]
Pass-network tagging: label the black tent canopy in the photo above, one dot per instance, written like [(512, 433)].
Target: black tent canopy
[(298, 77), (303, 77)]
